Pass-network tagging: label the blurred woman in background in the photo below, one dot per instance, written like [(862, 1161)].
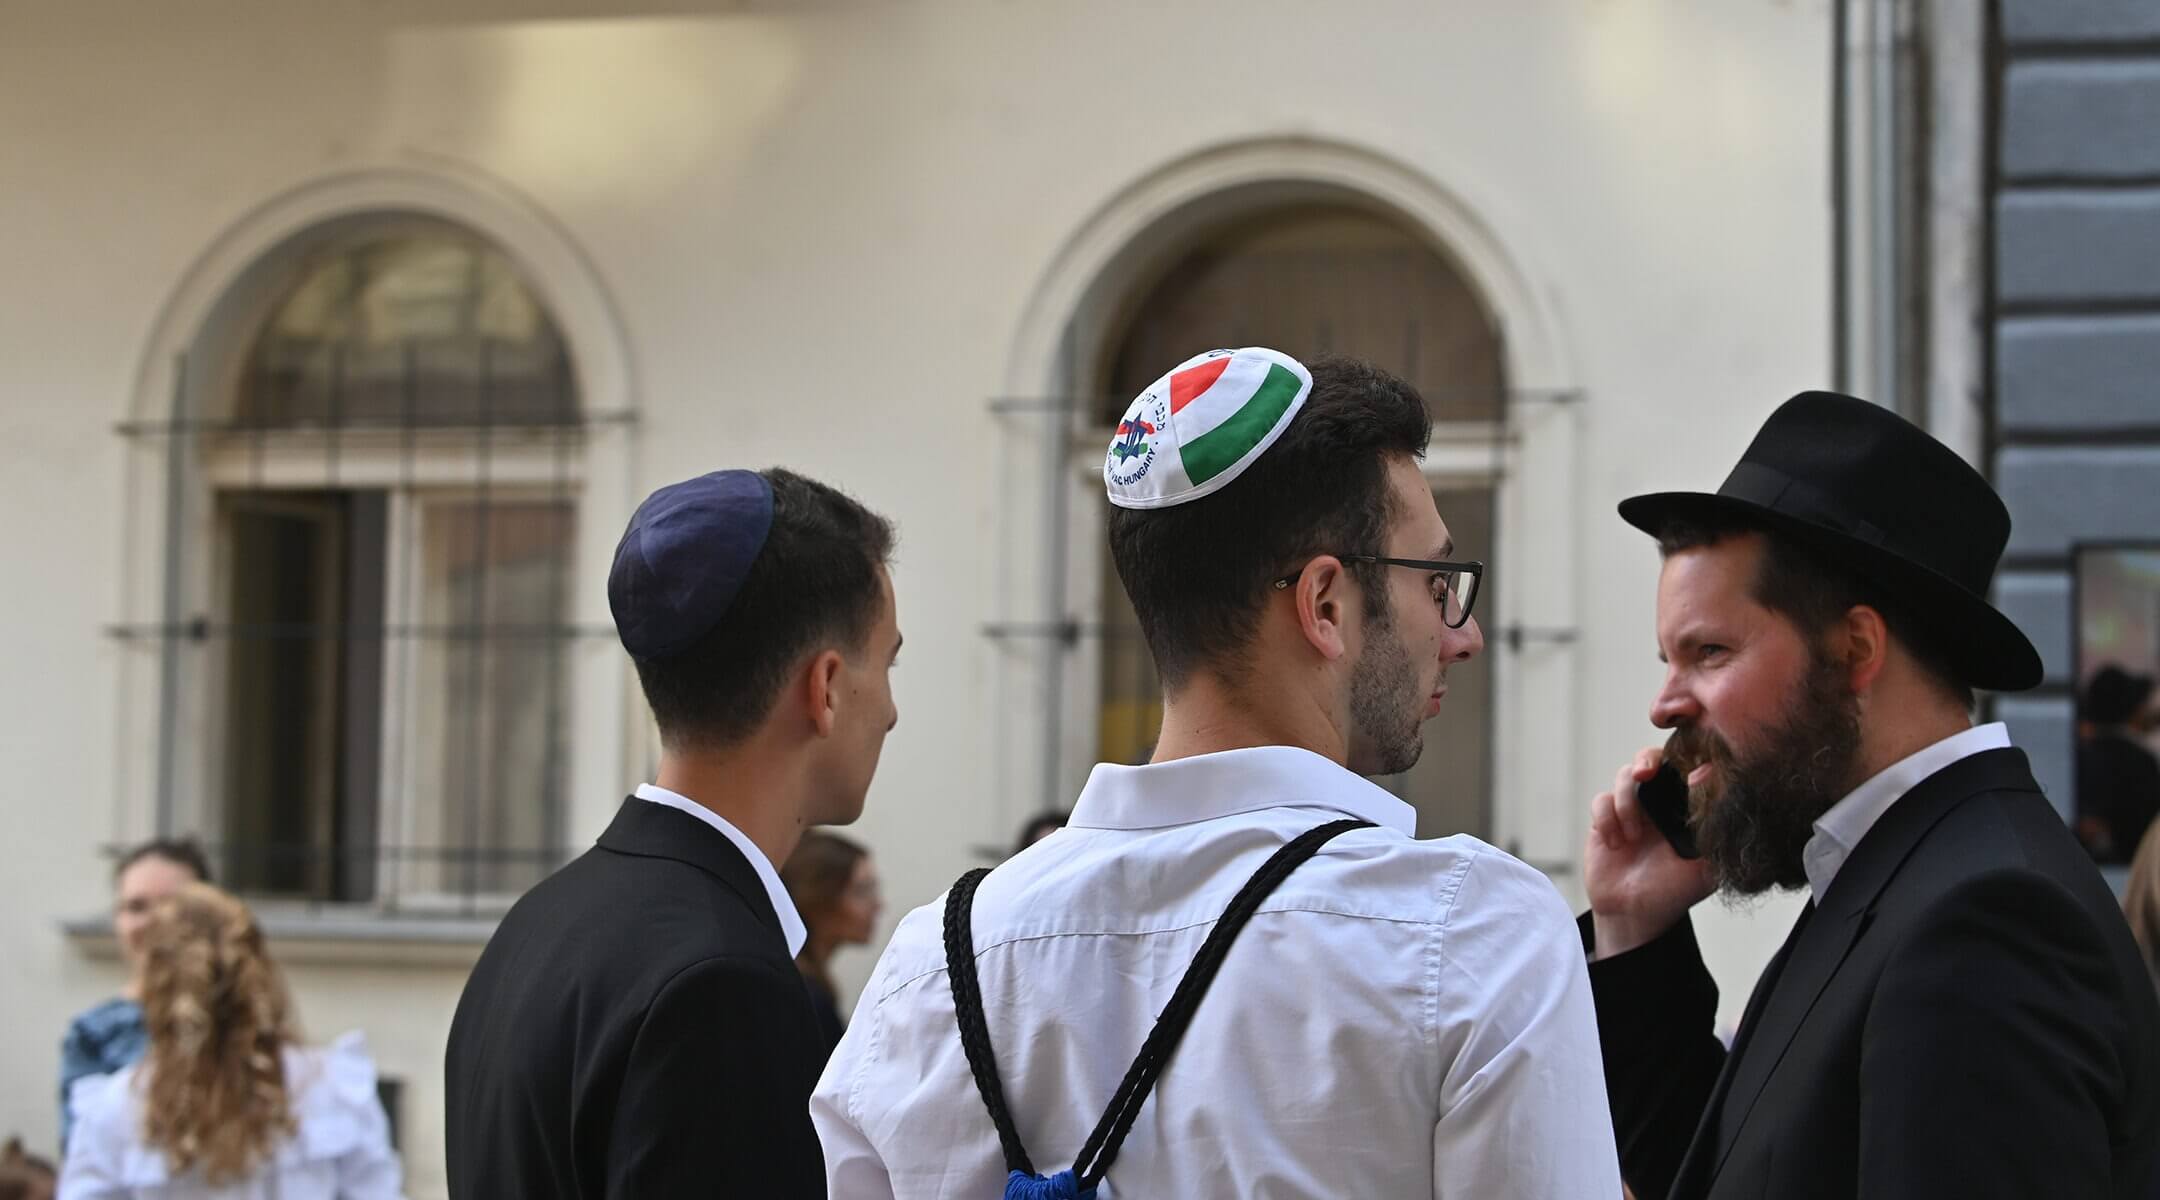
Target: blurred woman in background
[(2141, 906), (109, 1036), (835, 888), (226, 1103), (2141, 900), (1040, 826)]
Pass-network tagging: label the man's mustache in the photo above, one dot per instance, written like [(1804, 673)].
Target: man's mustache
[(1689, 747)]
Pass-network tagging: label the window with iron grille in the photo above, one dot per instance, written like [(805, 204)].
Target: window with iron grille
[(370, 489), (1312, 280), (1308, 278)]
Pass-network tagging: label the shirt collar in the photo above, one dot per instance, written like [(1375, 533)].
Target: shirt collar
[(1228, 782), (791, 922), (1840, 829)]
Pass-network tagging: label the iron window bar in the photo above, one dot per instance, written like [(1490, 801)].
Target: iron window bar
[(402, 413), (1078, 403)]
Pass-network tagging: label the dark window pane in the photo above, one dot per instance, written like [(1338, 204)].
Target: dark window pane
[(1315, 281), (283, 720)]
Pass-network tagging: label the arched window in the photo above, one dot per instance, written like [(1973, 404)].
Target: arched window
[(408, 322), (373, 486), (1315, 279)]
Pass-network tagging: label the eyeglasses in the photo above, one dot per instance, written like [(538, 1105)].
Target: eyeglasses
[(1454, 584)]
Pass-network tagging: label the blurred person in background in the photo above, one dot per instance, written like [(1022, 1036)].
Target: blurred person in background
[(24, 1176), (109, 1036), (227, 1103), (2118, 780), (835, 887), (1038, 827), (2141, 901), (2141, 907)]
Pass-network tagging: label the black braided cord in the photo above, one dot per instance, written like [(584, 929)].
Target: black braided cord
[(968, 1006), (1162, 1041)]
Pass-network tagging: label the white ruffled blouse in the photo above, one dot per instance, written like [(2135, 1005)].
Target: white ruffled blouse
[(341, 1150)]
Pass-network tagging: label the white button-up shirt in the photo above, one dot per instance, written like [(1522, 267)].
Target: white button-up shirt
[(339, 1148), (1840, 829), (1400, 1018), (791, 922)]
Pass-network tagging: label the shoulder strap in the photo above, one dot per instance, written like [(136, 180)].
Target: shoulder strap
[(1109, 1136), (967, 1006)]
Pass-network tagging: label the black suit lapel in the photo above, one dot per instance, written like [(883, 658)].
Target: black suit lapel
[(651, 830), (1817, 952), (1707, 1149), (1819, 947)]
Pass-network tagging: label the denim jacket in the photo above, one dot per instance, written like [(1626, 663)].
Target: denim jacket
[(99, 1041)]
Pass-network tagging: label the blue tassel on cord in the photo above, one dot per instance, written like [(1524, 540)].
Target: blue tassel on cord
[(1062, 1186)]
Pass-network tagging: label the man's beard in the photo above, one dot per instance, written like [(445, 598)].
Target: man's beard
[(1387, 705), (1754, 827)]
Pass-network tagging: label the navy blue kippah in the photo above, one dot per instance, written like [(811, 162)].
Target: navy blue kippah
[(685, 555)]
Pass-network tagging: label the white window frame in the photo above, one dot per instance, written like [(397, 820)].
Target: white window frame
[(399, 810), (440, 474)]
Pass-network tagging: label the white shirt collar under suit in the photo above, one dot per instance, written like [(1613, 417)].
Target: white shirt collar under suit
[(791, 922), (1840, 829)]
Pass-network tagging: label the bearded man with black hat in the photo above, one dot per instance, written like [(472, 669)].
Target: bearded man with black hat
[(637, 1025), (1959, 1010)]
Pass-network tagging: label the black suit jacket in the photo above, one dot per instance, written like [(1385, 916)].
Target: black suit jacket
[(1965, 1015), (636, 1028)]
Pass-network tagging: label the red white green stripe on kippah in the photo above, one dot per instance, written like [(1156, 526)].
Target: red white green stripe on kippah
[(1198, 427)]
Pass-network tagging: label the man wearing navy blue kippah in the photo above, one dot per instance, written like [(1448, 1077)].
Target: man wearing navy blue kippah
[(637, 1026)]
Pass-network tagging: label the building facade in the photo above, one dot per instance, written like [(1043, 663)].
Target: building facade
[(339, 345), (2073, 326)]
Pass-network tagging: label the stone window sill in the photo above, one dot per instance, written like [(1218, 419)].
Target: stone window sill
[(354, 937)]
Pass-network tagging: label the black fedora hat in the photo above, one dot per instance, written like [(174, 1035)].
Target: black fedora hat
[(1880, 496)]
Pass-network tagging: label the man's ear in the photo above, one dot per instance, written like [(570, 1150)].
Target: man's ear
[(1322, 596), (821, 693), (1867, 647)]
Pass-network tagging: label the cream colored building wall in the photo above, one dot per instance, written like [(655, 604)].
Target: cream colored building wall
[(820, 229)]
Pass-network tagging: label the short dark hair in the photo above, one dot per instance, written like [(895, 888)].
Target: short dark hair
[(814, 582), (1198, 573), (1807, 586), (179, 851)]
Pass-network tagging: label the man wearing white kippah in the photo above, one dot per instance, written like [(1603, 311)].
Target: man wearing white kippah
[(1235, 972)]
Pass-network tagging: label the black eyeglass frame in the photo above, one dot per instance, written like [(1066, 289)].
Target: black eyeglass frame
[(1476, 571)]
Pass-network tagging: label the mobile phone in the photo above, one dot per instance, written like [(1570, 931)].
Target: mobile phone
[(1664, 799)]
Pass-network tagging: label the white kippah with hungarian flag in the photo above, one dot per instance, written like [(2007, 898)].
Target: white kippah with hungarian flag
[(1197, 428)]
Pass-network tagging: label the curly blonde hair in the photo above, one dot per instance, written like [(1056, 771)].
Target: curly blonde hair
[(219, 1021)]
